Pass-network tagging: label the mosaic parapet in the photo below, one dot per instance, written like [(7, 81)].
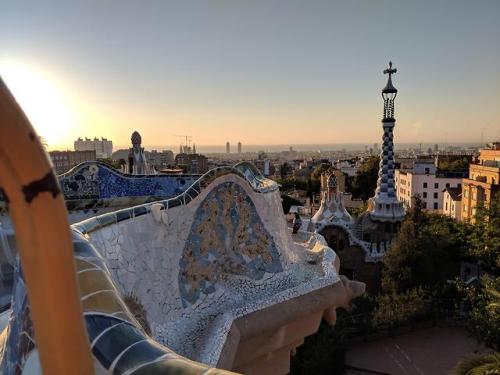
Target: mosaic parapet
[(218, 253), (92, 185), (118, 343), (95, 184), (245, 170)]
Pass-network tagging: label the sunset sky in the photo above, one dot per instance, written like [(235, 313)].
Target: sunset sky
[(259, 72)]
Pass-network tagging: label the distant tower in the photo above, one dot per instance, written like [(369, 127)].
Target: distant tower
[(228, 147), (239, 147), (385, 206), (194, 148)]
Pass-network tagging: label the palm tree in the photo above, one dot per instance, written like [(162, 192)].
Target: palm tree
[(488, 364)]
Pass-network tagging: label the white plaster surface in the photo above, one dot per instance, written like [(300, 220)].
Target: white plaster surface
[(143, 255)]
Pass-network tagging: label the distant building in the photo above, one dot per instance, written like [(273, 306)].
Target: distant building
[(192, 163), (186, 149), (483, 182), (424, 180), (102, 147), (160, 159), (264, 166), (452, 202), (228, 148), (63, 161), (239, 147)]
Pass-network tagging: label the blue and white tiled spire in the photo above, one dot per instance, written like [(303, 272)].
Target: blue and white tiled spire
[(385, 206)]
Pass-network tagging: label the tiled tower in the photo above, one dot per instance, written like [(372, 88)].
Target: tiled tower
[(385, 206)]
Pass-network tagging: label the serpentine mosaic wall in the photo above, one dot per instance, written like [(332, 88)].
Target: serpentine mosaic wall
[(227, 237), (98, 181), (118, 343)]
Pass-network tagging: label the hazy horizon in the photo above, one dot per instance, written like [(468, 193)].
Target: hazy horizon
[(311, 147), (280, 72)]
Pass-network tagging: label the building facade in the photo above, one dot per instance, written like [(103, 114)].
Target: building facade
[(102, 147), (483, 182), (425, 181), (192, 163), (63, 161), (160, 159), (452, 202)]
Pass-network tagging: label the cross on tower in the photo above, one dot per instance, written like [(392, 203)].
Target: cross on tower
[(389, 70)]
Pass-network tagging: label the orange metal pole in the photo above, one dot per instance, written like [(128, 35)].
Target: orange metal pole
[(42, 233)]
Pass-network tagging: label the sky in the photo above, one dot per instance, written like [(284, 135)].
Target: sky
[(259, 72)]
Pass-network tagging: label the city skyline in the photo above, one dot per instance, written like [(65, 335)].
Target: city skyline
[(259, 73)]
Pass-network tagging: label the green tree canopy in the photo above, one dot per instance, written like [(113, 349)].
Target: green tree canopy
[(485, 237), (426, 252), (363, 185), (320, 169)]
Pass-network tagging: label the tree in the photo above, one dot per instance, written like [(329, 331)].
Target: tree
[(482, 306), (425, 253), (363, 185), (320, 169), (488, 364), (485, 237), (455, 165), (396, 309), (285, 170)]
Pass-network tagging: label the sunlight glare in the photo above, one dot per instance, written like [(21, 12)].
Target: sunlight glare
[(41, 100)]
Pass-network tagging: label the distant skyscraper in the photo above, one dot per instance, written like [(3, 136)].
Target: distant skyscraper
[(228, 147), (239, 147)]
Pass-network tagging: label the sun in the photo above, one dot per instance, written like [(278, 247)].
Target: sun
[(41, 100)]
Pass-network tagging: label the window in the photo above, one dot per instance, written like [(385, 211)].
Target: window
[(435, 205), (424, 204), (436, 185), (446, 206), (425, 194), (425, 185), (447, 185), (435, 195), (427, 170)]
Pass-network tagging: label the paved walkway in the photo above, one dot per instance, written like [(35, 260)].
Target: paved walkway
[(429, 351)]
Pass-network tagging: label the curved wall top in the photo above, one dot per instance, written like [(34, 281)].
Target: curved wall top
[(214, 254), (246, 170), (96, 184)]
